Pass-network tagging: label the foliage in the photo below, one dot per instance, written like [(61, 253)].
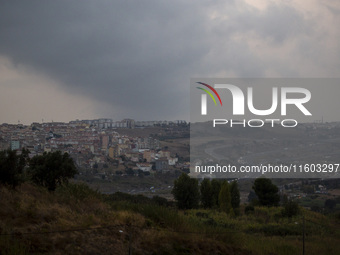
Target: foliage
[(215, 187), (330, 204), (235, 195), (157, 229), (206, 193), (249, 209), (137, 199), (161, 201), (52, 169), (186, 192), (12, 166), (267, 192), (224, 198), (291, 208), (77, 192)]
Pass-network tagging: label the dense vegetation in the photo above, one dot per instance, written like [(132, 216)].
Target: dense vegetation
[(77, 220), (74, 219), (49, 170)]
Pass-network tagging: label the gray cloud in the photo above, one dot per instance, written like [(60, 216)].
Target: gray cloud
[(138, 56)]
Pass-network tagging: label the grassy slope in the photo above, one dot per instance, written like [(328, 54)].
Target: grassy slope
[(152, 229)]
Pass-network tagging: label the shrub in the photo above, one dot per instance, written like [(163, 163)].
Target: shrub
[(77, 191), (161, 201), (291, 209), (249, 209)]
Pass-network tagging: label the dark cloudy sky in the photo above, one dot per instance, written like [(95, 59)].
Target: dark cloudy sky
[(65, 60)]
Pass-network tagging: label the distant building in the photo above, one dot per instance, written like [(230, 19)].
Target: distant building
[(162, 164), (15, 145), (130, 123), (149, 155), (112, 152), (164, 154), (145, 167), (4, 145), (104, 141), (172, 161)]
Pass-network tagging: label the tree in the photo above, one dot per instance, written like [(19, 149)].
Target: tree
[(291, 208), (215, 189), (186, 192), (12, 166), (224, 198), (206, 193), (52, 169), (266, 192), (330, 204), (235, 195)]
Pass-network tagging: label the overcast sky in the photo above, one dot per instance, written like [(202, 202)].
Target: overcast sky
[(66, 60)]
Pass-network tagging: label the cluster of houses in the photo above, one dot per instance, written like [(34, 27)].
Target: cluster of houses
[(89, 143)]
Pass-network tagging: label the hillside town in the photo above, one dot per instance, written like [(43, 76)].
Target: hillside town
[(94, 144)]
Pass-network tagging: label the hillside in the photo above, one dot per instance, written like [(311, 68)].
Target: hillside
[(77, 220)]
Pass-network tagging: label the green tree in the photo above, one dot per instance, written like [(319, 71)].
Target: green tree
[(186, 192), (235, 195), (215, 189), (330, 204), (12, 166), (52, 169), (206, 193), (267, 192), (224, 198)]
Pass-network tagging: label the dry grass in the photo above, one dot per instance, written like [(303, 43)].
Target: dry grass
[(147, 229)]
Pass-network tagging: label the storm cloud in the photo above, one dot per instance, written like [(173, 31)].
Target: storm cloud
[(137, 57)]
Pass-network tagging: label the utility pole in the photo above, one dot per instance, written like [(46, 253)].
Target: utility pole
[(303, 236), (130, 243)]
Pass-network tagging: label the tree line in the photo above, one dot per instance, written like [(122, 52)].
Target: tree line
[(48, 170), (209, 194), (224, 195)]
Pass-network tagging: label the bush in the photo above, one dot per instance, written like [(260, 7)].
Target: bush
[(77, 191), (249, 209), (330, 204), (291, 209), (161, 201), (274, 229)]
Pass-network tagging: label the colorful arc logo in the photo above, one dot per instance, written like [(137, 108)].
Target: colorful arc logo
[(209, 93)]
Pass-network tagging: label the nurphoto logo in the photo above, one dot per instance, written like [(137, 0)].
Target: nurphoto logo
[(280, 98)]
